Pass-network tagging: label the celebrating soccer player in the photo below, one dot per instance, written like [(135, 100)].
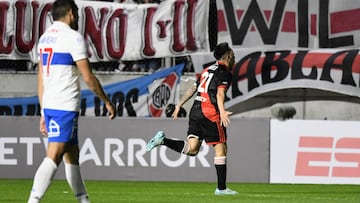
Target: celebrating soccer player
[(208, 117)]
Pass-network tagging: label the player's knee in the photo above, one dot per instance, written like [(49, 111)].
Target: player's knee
[(193, 152), (189, 149), (192, 145)]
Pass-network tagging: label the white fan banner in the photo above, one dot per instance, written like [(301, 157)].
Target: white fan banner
[(296, 23), (114, 31), (259, 71)]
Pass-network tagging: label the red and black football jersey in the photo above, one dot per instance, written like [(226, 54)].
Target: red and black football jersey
[(211, 78)]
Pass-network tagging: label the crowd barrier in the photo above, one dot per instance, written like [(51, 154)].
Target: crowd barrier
[(260, 150), (116, 150)]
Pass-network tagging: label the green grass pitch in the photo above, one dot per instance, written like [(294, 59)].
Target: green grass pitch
[(172, 192)]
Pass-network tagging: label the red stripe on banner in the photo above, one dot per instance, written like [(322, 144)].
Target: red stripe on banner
[(318, 60), (239, 14), (342, 21), (222, 26), (345, 21), (252, 29), (267, 14), (289, 22), (313, 24), (221, 21), (356, 67), (310, 60), (318, 142)]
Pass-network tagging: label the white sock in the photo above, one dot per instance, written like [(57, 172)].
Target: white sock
[(74, 179), (186, 148), (42, 179)]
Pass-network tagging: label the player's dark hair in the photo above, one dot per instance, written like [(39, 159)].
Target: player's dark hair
[(221, 49), (61, 7)]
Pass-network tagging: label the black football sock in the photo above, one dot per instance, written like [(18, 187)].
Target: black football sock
[(176, 145), (221, 176)]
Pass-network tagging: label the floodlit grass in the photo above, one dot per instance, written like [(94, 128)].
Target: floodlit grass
[(172, 192)]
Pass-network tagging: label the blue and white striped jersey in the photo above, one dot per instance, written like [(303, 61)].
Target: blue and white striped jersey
[(59, 47)]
